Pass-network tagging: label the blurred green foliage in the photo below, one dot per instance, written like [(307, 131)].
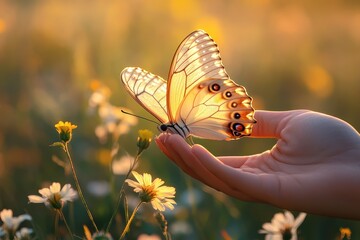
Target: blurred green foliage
[(288, 55)]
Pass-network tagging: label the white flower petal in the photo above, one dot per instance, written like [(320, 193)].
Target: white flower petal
[(278, 219), (289, 217), (299, 220), (36, 199), (277, 236), (55, 187), (45, 192), (65, 189), (16, 221), (294, 237), (24, 232), (6, 214), (24, 217), (70, 196), (270, 228)]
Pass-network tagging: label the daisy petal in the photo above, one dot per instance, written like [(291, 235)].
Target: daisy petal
[(36, 199)]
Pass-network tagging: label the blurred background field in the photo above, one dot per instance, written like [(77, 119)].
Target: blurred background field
[(288, 54)]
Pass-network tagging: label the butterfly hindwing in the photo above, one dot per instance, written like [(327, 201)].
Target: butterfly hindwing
[(147, 89), (218, 109)]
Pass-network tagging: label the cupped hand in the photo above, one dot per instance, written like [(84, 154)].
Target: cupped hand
[(314, 166)]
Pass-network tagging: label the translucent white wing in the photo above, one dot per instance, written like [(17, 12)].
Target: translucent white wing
[(201, 97), (196, 59), (217, 109), (147, 89)]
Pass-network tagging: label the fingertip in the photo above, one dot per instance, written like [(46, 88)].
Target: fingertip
[(174, 142), (161, 137), (268, 123), (271, 123), (165, 137)]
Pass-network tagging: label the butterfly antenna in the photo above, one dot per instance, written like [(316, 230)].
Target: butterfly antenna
[(131, 114)]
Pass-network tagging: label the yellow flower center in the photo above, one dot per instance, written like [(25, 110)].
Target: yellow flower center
[(55, 201), (148, 193)]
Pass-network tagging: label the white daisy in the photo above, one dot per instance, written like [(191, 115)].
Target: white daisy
[(282, 224), (11, 223), (53, 196), (23, 233)]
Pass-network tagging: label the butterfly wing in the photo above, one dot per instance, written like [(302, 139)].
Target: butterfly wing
[(147, 89), (218, 109), (201, 96), (196, 59)]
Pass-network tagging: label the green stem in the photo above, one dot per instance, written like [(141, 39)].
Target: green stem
[(66, 224), (127, 227), (56, 224), (167, 236), (79, 188), (122, 190)]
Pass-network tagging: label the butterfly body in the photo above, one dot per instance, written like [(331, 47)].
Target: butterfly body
[(176, 128), (199, 98)]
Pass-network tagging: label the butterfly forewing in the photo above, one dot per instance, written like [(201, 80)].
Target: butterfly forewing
[(147, 89), (196, 59)]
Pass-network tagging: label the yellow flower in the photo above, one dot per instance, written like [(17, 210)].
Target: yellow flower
[(159, 196), (345, 232), (144, 139), (65, 130)]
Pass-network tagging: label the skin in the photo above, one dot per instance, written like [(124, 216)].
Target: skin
[(314, 167)]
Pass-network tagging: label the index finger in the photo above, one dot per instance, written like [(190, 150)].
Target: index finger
[(270, 123)]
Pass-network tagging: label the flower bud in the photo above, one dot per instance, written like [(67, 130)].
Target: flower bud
[(144, 139), (65, 130)]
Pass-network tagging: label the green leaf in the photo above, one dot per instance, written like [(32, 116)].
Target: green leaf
[(58, 144)]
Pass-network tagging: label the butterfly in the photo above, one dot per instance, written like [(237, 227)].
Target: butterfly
[(199, 99)]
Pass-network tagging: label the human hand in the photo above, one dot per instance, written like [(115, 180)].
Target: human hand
[(314, 167)]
